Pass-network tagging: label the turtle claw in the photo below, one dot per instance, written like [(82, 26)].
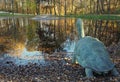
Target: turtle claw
[(115, 72), (89, 73)]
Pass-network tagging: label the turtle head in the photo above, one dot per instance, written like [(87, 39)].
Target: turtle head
[(80, 29)]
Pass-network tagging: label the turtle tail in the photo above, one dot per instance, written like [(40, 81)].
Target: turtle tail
[(80, 29)]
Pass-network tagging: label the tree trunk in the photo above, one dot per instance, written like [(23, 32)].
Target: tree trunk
[(102, 6), (65, 8), (108, 6), (5, 5), (54, 7), (12, 8)]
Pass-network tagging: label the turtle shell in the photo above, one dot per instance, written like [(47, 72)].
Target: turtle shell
[(92, 53)]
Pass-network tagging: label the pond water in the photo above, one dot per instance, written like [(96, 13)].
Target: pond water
[(25, 40)]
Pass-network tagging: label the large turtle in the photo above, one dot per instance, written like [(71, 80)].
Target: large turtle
[(92, 54)]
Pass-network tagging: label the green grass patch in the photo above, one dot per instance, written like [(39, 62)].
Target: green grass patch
[(97, 17), (15, 14), (4, 14), (83, 16)]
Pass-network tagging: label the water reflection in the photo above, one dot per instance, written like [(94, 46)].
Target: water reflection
[(20, 37), (53, 33), (107, 31), (24, 57)]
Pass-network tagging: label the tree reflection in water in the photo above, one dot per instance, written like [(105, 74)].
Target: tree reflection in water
[(48, 35), (107, 31), (47, 39)]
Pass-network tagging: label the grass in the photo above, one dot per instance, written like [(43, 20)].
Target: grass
[(85, 16), (16, 14), (97, 17)]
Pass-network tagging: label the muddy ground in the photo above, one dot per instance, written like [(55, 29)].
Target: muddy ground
[(57, 69)]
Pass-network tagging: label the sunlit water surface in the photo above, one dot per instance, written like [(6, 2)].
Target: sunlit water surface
[(25, 58)]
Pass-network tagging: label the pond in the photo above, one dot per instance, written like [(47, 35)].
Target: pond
[(25, 40)]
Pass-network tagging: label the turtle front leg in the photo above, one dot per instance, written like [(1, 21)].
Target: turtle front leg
[(115, 72), (74, 59), (89, 72)]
